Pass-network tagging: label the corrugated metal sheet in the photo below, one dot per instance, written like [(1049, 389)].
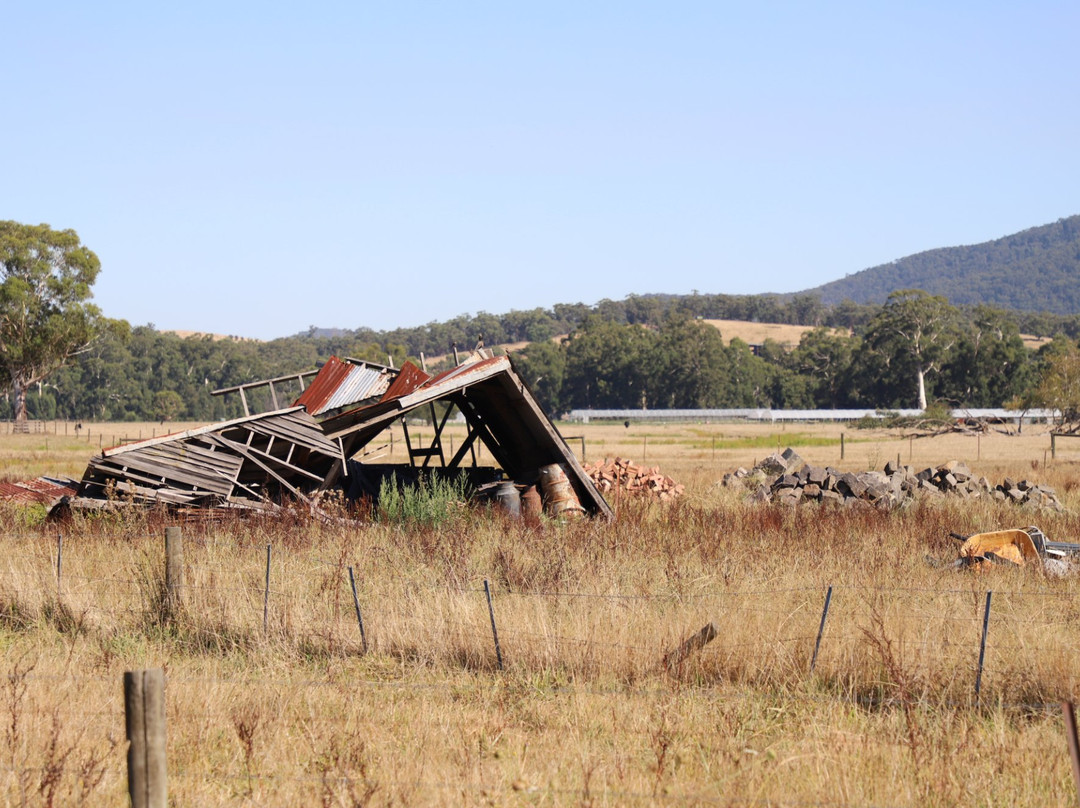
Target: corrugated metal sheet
[(341, 384), (459, 378), (362, 383), (409, 378), (45, 490)]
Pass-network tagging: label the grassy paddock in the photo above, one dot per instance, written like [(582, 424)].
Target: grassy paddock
[(584, 713)]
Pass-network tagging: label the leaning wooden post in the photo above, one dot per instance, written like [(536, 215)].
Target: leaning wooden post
[(494, 631), (174, 571), (144, 714), (1074, 744), (693, 643), (982, 645), (821, 628)]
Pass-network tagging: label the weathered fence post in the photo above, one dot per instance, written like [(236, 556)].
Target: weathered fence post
[(174, 571), (1074, 744), (821, 628), (841, 445), (266, 592), (356, 603), (695, 642), (494, 631), (982, 645), (59, 561), (144, 718)]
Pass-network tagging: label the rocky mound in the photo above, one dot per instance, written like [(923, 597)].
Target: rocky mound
[(787, 479)]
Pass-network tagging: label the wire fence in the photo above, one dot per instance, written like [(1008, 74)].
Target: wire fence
[(612, 644), (286, 593)]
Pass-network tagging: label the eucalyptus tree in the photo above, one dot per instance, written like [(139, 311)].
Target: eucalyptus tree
[(914, 335), (46, 318)]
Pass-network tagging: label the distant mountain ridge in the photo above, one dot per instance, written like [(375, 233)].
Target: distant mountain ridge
[(1035, 270)]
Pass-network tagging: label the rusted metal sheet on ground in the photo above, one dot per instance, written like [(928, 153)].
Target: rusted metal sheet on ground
[(42, 490)]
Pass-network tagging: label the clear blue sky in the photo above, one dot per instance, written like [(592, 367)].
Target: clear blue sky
[(256, 168)]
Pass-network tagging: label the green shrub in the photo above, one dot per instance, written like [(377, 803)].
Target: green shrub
[(431, 501)]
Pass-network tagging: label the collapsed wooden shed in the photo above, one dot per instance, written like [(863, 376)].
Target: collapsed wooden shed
[(322, 442)]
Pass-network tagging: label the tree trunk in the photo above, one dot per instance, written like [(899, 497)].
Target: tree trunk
[(922, 388), (19, 400)]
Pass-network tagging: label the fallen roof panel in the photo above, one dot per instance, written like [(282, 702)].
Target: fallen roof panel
[(44, 490)]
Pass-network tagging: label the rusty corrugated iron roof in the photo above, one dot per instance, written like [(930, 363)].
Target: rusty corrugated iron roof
[(409, 378), (340, 384), (45, 490)]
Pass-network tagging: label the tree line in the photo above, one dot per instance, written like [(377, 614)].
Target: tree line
[(965, 357), (913, 350), (65, 360)]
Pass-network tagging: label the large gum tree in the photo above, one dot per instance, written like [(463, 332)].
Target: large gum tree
[(46, 277), (915, 334)]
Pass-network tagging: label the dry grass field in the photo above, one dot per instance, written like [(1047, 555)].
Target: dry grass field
[(584, 712)]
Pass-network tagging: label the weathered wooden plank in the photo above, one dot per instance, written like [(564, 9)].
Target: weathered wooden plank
[(252, 452), (249, 454), (202, 430), (192, 475)]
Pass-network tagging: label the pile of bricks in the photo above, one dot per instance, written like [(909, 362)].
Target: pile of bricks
[(787, 479), (625, 475)]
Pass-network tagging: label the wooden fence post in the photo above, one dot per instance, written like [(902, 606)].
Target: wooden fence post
[(144, 718), (695, 642), (266, 593), (1074, 744), (174, 571)]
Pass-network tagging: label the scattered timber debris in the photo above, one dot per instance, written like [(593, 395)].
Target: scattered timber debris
[(1017, 547), (785, 478), (331, 439), (625, 475), (958, 426)]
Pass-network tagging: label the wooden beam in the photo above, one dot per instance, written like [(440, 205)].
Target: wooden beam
[(477, 422), (250, 452), (437, 440), (250, 455), (466, 446)]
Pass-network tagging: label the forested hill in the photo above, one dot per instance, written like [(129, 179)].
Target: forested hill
[(1034, 270)]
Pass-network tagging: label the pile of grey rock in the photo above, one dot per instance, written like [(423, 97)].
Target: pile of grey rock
[(785, 478)]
